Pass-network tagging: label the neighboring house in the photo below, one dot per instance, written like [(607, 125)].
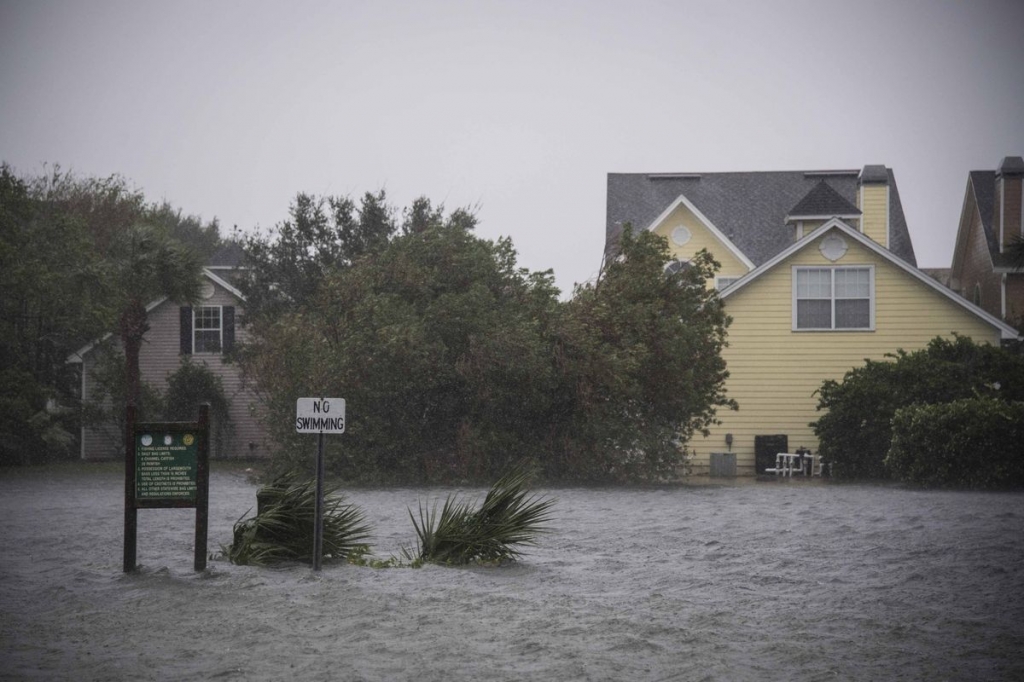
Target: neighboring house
[(200, 334), (818, 274), (992, 218)]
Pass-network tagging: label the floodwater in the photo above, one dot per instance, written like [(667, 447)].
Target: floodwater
[(770, 580)]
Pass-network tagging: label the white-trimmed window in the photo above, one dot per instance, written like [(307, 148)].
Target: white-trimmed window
[(207, 329), (834, 298), (722, 282)]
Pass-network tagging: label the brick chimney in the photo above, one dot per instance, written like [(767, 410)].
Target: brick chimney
[(1008, 211)]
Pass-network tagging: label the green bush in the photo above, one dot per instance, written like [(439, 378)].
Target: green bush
[(855, 432), (192, 385), (972, 443)]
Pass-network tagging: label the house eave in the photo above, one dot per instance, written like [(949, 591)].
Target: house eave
[(848, 216), (1006, 331), (78, 356)]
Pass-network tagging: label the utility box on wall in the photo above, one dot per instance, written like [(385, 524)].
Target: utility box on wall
[(765, 449), (723, 464)]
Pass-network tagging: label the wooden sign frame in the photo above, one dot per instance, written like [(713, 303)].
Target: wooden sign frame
[(185, 442)]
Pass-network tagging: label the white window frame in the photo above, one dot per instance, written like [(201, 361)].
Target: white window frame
[(833, 269), (196, 329), (728, 280)]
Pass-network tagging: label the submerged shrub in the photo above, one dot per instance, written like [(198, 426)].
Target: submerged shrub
[(509, 517), (973, 443), (282, 529)]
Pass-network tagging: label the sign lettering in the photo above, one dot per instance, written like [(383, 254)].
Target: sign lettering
[(314, 415)]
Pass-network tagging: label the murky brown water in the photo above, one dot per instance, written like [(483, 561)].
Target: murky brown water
[(746, 581)]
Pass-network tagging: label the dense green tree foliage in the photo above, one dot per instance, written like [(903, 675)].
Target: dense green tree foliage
[(455, 362), (856, 431), (970, 443), (285, 268), (65, 281)]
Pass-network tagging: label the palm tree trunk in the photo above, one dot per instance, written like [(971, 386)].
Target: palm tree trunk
[(134, 326)]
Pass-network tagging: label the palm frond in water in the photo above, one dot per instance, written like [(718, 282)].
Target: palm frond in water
[(508, 518), (282, 529)]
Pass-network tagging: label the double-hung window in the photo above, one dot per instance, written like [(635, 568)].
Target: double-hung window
[(834, 298), (207, 329)]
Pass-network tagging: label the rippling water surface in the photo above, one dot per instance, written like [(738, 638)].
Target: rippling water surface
[(771, 580)]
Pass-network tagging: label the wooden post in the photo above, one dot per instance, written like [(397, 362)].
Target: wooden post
[(202, 487), (130, 512)]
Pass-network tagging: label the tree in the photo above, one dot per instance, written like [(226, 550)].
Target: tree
[(59, 237), (285, 267), (432, 337), (51, 302), (639, 352), (145, 265), (456, 362)]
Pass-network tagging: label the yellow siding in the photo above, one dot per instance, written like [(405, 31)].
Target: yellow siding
[(808, 227), (875, 209), (701, 238), (775, 371)]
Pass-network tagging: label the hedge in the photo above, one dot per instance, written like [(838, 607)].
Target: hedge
[(971, 443)]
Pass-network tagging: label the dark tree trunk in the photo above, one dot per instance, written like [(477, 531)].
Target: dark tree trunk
[(134, 326)]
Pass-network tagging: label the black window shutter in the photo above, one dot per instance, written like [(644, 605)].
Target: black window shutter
[(229, 328), (186, 330)]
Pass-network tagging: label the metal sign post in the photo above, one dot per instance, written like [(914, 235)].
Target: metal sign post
[(319, 416)]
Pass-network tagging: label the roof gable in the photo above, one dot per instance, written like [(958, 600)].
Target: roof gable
[(983, 185), (1006, 331), (707, 224), (77, 356)]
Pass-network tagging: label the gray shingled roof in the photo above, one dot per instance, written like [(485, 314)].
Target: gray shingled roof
[(749, 208), (984, 183), (229, 255), (822, 200)]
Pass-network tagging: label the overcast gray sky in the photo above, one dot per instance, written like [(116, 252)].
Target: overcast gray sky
[(228, 109)]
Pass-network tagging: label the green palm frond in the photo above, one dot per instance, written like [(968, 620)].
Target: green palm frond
[(508, 518), (282, 530)]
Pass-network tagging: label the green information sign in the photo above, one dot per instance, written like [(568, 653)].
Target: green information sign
[(166, 465)]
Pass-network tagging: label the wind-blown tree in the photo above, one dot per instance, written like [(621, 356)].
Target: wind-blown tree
[(46, 272), (57, 292), (285, 267), (639, 352), (145, 265), (456, 362), (433, 340)]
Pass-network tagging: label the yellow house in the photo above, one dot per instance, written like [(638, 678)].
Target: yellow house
[(818, 274)]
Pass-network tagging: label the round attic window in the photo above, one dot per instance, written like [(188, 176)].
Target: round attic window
[(833, 247), (681, 236), (206, 291)]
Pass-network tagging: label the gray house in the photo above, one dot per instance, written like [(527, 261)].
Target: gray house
[(203, 334)]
